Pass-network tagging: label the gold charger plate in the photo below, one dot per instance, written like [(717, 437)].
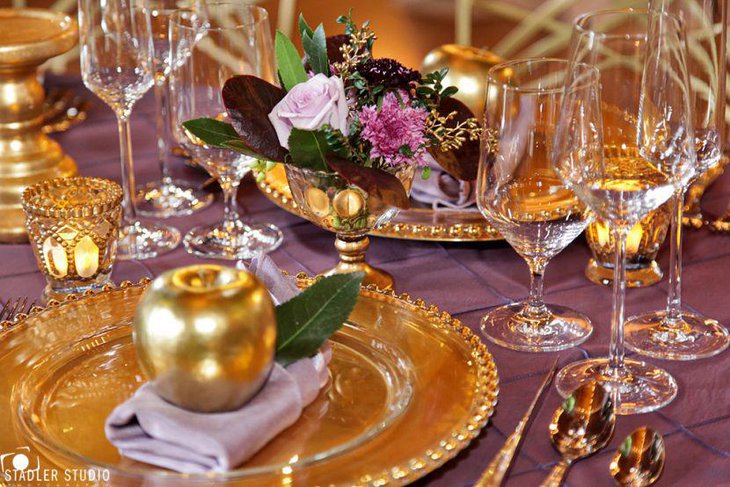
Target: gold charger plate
[(424, 224), (410, 387)]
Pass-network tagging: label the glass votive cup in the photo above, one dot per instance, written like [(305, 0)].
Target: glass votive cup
[(73, 225), (642, 246)]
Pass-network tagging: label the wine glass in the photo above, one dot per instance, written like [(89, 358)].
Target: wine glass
[(209, 46), (600, 156), (674, 333), (522, 197), (166, 197), (116, 65)]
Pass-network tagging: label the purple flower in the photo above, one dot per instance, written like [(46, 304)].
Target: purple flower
[(396, 132), (310, 105), (388, 72)]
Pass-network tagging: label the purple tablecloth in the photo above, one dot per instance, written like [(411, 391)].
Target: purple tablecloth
[(470, 279)]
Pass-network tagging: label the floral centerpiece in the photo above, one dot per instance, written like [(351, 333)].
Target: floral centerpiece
[(350, 128)]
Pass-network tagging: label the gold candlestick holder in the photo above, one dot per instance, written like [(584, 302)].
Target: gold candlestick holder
[(28, 37)]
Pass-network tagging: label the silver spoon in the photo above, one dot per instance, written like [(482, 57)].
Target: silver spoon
[(581, 426), (639, 461)]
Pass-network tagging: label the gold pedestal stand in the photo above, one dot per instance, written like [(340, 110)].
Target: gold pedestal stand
[(352, 252), (28, 37)]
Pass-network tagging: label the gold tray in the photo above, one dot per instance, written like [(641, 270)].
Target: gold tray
[(410, 388), (424, 224)]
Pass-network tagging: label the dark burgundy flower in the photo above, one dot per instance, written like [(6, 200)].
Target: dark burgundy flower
[(388, 73)]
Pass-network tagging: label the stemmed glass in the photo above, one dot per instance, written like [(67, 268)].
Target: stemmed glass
[(608, 150), (166, 197), (674, 333), (207, 49), (522, 196), (116, 65)]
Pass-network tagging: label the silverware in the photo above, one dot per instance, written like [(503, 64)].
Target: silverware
[(581, 426), (14, 307), (639, 461), (497, 470)]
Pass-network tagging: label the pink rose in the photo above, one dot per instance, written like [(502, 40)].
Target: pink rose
[(309, 106)]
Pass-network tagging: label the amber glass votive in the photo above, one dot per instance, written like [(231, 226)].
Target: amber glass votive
[(642, 247), (72, 225)]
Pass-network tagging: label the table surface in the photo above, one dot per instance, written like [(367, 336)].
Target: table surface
[(471, 278)]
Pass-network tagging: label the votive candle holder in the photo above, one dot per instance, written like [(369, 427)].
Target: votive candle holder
[(73, 226)]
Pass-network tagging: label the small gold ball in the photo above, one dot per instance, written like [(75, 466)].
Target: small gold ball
[(206, 336), (348, 203), (317, 201)]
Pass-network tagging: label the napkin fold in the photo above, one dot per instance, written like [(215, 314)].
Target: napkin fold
[(151, 430), (442, 189)]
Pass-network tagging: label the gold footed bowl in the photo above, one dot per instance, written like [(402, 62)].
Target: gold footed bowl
[(328, 201), (28, 37), (398, 404)]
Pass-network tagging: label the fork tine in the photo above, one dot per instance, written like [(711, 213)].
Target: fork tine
[(18, 306), (4, 309)]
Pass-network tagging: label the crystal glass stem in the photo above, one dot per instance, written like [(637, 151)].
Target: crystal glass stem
[(231, 218), (674, 298), (616, 350), (162, 102), (535, 305), (129, 214)]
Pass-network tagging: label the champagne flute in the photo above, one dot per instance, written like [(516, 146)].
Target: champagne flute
[(116, 65), (600, 156), (522, 196), (167, 197), (209, 46), (674, 333)]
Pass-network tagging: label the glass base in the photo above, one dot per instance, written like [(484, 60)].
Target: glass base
[(689, 338), (640, 277), (639, 387), (146, 240), (60, 294), (164, 199), (559, 329), (218, 242)]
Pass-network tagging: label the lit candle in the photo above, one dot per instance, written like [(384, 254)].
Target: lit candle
[(73, 224)]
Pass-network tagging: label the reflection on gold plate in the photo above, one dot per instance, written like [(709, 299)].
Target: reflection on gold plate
[(423, 224), (410, 387)]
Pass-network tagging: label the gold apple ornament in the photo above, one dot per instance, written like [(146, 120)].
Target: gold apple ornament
[(206, 336)]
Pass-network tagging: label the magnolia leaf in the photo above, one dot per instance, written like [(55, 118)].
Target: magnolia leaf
[(463, 162), (304, 28), (249, 100), (315, 46), (308, 148), (240, 146), (334, 46), (381, 186), (291, 69), (307, 320), (211, 131)]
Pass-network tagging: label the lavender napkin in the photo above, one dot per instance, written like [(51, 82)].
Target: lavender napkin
[(442, 189), (149, 429)]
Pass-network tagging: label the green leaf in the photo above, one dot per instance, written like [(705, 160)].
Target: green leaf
[(316, 48), (308, 149), (240, 146), (291, 69), (304, 28), (450, 91), (211, 131), (426, 173), (307, 320)]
